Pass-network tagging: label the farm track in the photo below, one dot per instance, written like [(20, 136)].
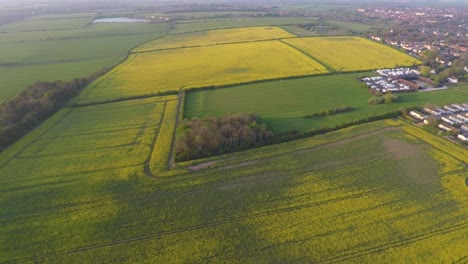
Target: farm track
[(170, 161), (147, 168), (343, 257), (302, 150), (329, 67)]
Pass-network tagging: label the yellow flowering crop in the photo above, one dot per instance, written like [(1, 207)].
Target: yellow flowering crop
[(352, 53), (214, 37)]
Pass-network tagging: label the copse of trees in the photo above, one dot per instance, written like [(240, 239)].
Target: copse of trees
[(35, 104), (204, 137)]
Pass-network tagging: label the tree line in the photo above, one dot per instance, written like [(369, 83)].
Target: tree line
[(205, 137), (35, 104)]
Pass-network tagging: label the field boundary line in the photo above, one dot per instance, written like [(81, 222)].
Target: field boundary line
[(125, 100), (210, 45), (323, 63), (178, 22)]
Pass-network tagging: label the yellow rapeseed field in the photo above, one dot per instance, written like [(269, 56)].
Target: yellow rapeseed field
[(351, 53), (171, 70), (214, 37)]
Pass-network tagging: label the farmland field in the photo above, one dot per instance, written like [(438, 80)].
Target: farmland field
[(202, 25), (46, 24), (351, 53), (214, 37), (27, 57), (171, 70), (351, 195), (283, 104), (64, 16)]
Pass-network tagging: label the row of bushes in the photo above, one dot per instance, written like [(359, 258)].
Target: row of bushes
[(383, 99), (204, 137), (328, 112), (35, 104), (293, 135)]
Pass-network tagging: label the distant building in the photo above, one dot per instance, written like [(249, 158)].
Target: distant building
[(417, 115), (464, 128), (463, 137), (448, 128), (431, 110), (448, 121), (450, 109), (426, 80), (411, 84)]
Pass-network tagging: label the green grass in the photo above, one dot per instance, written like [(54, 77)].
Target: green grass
[(15, 79), (69, 49), (46, 24), (235, 23), (352, 195), (299, 31), (96, 30), (64, 16), (283, 104), (68, 54)]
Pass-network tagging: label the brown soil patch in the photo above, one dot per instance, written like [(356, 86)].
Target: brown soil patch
[(203, 165), (400, 149)]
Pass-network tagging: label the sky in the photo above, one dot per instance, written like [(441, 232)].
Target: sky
[(63, 2)]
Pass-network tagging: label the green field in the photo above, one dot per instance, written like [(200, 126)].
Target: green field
[(64, 16), (27, 57), (283, 104), (352, 195), (46, 24)]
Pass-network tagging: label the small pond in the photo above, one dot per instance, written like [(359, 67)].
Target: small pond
[(120, 20)]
